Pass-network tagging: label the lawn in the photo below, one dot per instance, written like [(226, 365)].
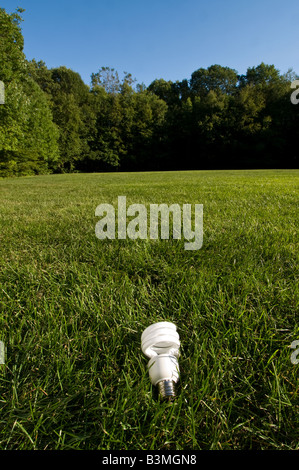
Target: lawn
[(73, 308)]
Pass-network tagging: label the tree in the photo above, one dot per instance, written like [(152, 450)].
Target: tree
[(263, 74), (28, 136), (107, 78), (12, 57), (69, 99), (40, 73), (164, 90), (215, 78), (142, 128)]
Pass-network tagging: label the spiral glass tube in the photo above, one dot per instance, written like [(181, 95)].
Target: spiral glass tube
[(161, 342)]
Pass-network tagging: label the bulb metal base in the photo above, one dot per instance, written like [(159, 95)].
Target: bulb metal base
[(166, 389)]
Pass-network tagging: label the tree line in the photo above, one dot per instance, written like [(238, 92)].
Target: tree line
[(53, 122)]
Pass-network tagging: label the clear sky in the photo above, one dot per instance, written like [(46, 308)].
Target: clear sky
[(167, 39)]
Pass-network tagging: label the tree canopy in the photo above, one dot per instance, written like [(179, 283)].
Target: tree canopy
[(51, 121)]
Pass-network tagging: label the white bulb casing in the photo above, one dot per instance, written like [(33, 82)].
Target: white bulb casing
[(163, 367), (161, 342)]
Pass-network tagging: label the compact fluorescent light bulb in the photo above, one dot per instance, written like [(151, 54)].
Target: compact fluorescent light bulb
[(160, 342)]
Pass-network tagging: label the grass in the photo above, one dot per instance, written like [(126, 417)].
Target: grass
[(73, 307)]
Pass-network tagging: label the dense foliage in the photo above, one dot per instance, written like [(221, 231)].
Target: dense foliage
[(53, 122)]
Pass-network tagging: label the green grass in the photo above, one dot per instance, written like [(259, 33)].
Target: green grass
[(73, 307)]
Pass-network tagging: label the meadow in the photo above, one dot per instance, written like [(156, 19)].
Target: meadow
[(73, 308)]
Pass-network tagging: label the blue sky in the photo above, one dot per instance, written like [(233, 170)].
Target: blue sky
[(160, 39)]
